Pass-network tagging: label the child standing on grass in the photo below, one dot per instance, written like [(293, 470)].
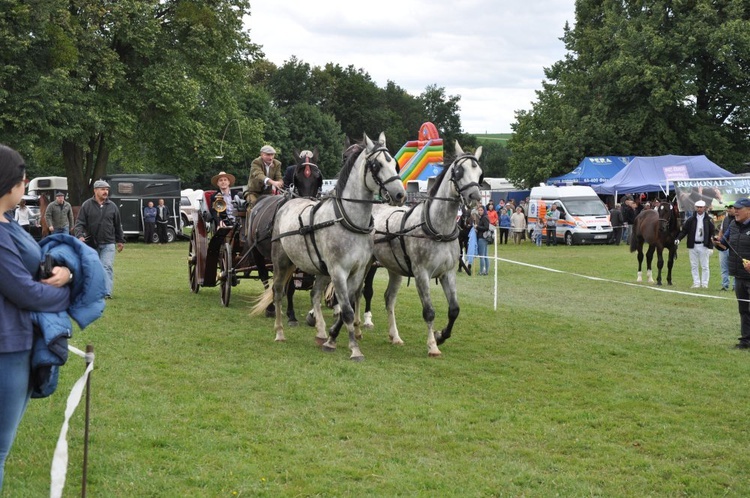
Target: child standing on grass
[(536, 234)]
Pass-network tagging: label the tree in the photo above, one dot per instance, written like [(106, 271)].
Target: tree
[(140, 82), (662, 78), (309, 127), (443, 112)]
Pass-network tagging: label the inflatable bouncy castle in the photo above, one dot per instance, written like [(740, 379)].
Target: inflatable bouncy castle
[(422, 158)]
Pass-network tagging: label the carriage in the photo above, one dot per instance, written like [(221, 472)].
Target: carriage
[(221, 255), (216, 255)]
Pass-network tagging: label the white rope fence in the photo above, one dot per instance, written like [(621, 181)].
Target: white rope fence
[(496, 259), (60, 459)]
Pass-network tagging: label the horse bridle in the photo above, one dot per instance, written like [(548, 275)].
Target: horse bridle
[(308, 173), (374, 168), (456, 175)]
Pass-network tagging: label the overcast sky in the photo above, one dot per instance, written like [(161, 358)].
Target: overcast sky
[(491, 53)]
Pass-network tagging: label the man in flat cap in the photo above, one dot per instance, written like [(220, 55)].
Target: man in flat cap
[(99, 226), (59, 215), (265, 175), (736, 241), (700, 231)]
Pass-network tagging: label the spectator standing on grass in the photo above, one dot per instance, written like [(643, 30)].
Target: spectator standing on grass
[(504, 226), (699, 230), (518, 225), (59, 215), (492, 215), (21, 216), (149, 222), (482, 226), (551, 222), (616, 220), (162, 222), (724, 255), (736, 242), (20, 293), (99, 226), (538, 232)]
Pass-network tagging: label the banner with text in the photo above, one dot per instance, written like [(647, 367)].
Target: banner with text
[(716, 192)]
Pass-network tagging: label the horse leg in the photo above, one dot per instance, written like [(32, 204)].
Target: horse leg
[(316, 296), (291, 317), (448, 282), (368, 292), (659, 265), (428, 312), (260, 265), (394, 283), (640, 264), (281, 273), (670, 263), (649, 260)]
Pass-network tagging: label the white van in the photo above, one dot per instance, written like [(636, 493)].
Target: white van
[(584, 218)]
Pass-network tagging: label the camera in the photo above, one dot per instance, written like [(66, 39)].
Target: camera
[(45, 267)]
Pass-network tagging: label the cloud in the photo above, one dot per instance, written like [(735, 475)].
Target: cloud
[(492, 54)]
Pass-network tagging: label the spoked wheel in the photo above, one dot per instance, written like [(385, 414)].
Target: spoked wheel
[(225, 265), (193, 264)]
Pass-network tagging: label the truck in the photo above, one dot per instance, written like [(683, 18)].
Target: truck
[(584, 218), (132, 192)]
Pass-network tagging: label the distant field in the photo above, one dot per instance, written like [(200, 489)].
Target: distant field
[(500, 137)]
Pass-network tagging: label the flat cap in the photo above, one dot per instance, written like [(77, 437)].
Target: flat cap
[(59, 193), (742, 203), (101, 184), (267, 149), (700, 204)]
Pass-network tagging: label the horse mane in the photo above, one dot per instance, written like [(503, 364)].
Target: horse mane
[(438, 181), (350, 157)]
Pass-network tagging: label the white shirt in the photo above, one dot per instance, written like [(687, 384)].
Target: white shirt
[(699, 227), (22, 216)]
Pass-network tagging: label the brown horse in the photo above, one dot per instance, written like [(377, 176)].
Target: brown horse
[(658, 228)]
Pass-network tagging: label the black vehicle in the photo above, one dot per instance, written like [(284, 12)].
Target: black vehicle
[(132, 192)]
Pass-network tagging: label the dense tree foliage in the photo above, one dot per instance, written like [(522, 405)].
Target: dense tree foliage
[(176, 86), (642, 79)]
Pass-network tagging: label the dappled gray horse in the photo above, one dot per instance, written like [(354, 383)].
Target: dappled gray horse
[(422, 242), (332, 237)]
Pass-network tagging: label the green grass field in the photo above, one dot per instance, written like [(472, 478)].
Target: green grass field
[(494, 137), (572, 387)]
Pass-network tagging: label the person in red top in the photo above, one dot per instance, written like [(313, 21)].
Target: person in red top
[(492, 214)]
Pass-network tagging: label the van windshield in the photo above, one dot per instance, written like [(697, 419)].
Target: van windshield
[(586, 207)]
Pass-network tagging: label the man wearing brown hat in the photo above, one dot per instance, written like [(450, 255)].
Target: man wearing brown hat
[(265, 175), (59, 215), (224, 183)]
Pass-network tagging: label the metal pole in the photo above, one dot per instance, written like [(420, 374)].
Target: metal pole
[(84, 477)]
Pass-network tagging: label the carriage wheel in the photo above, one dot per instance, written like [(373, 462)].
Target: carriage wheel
[(225, 265), (192, 264)]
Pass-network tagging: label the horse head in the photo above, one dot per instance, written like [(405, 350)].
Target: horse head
[(383, 169), (308, 180), (467, 175), (667, 216)]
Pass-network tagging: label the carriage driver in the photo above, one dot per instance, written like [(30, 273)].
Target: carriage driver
[(265, 175), (223, 182)]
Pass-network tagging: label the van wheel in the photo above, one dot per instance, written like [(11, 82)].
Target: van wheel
[(568, 238), (171, 235)]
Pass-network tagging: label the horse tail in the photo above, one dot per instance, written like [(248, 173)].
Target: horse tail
[(262, 302), (634, 236)]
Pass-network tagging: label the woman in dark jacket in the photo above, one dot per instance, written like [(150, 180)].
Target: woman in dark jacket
[(20, 294), (483, 225)]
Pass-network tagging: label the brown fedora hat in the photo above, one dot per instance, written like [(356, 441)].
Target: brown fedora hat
[(215, 179)]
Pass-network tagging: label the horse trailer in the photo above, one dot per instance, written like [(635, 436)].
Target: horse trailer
[(132, 192)]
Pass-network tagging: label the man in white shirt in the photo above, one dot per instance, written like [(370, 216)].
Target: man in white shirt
[(699, 230)]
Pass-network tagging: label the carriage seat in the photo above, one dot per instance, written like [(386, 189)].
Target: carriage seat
[(206, 206)]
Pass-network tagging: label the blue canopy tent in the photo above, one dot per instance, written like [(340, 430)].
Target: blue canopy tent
[(592, 171), (655, 174)]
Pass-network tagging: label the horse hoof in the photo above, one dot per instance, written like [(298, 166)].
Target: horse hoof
[(328, 349), (310, 319), (280, 339), (433, 354), (397, 342), (658, 283), (357, 358), (319, 341), (270, 314), (292, 323)]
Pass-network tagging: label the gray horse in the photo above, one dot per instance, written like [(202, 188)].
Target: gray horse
[(422, 242), (332, 237)]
